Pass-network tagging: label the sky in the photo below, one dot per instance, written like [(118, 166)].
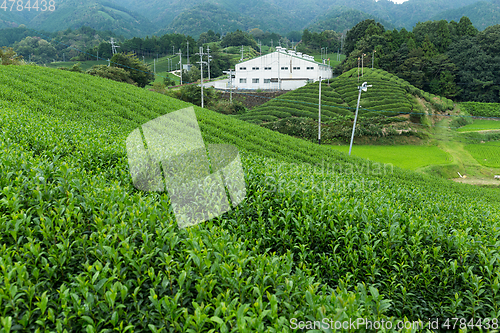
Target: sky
[(399, 1)]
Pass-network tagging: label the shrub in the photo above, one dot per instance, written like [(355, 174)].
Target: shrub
[(111, 73)]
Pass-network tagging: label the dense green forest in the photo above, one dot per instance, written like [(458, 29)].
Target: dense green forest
[(482, 14), (445, 58), (341, 19), (193, 17), (46, 47)]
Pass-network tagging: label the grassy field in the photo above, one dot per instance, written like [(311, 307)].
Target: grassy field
[(84, 251), (160, 76), (407, 157), (487, 154), (481, 125), (333, 58)]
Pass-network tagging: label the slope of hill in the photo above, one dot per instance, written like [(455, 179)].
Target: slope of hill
[(482, 14), (84, 250), (209, 16), (143, 17), (97, 14), (340, 19)]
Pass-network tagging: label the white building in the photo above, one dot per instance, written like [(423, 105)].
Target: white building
[(280, 70)]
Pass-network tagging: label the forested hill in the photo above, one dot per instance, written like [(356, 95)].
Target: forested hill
[(145, 17), (482, 14), (451, 59), (341, 18), (73, 14)]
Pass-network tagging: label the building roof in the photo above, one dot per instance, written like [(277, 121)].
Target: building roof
[(294, 54)]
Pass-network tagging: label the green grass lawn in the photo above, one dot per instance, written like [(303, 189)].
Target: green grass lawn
[(332, 56), (406, 157), (481, 125), (487, 154), (160, 76)]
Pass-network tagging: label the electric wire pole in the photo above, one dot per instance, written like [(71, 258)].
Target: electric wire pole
[(230, 84), (113, 46), (180, 63), (201, 72), (319, 113), (208, 61)]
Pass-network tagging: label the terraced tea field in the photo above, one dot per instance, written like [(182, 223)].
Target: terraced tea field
[(389, 96), (319, 236)]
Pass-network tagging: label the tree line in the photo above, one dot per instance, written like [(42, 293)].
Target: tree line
[(451, 59)]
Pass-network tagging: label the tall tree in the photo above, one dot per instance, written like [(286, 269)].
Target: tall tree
[(138, 71), (9, 57)]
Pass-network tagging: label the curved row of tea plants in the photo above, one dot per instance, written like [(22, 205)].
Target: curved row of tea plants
[(319, 235)]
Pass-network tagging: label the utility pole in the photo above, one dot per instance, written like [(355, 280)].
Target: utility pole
[(154, 62), (241, 53), (230, 84), (188, 52), (201, 72), (180, 63), (358, 69), (208, 61), (260, 48), (373, 57), (113, 46), (362, 64), (173, 51), (271, 45), (362, 88), (319, 113)]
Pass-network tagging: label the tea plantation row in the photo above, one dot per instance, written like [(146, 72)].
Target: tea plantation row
[(320, 235), (489, 110), (389, 96)]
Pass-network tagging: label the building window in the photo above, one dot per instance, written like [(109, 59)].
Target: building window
[(308, 68), (243, 68), (255, 68), (255, 80), (267, 80), (284, 68), (267, 68), (296, 68), (243, 80)]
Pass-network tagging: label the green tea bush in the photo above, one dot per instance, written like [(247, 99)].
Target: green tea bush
[(319, 234), (482, 109)]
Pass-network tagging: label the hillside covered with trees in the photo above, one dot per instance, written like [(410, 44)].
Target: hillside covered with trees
[(444, 58), (145, 17)]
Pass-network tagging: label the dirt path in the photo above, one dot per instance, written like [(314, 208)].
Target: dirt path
[(480, 131)]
